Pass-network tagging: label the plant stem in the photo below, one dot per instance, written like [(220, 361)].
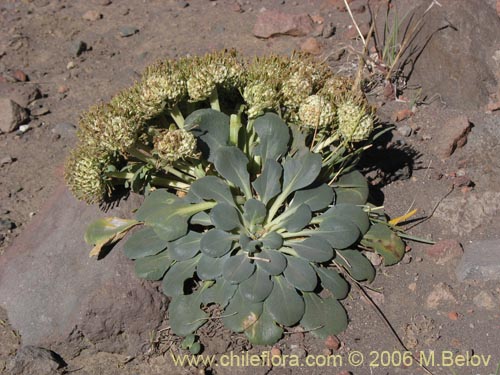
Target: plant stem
[(234, 128), (214, 100), (177, 116)]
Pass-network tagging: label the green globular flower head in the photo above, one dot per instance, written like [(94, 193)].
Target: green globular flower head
[(316, 111), (172, 145), (259, 96), (354, 120), (295, 90), (85, 174)]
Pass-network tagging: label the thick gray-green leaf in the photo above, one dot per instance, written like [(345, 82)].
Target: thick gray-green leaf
[(331, 280), (272, 240), (173, 282), (268, 184), (273, 262), (350, 212), (351, 188), (314, 249), (240, 313), (185, 315), (221, 292), (284, 304), (257, 287), (216, 243), (231, 163), (339, 233), (385, 242), (300, 171), (201, 218), (264, 331), (143, 243), (249, 245), (300, 274), (209, 268), (153, 267), (301, 218), (274, 135), (211, 127), (155, 201), (254, 212), (238, 268), (224, 217), (185, 247), (107, 230), (358, 266), (317, 198), (212, 188), (323, 317)]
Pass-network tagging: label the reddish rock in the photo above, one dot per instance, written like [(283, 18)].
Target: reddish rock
[(92, 15), (402, 115), (389, 91), (270, 23), (452, 135), (20, 75), (352, 32), (236, 7), (311, 46), (62, 89), (332, 342), (453, 315), (445, 250)]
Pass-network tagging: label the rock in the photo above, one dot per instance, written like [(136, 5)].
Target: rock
[(39, 109), (402, 115), (182, 4), (55, 295), (20, 76), (77, 48), (7, 160), (332, 342), (440, 295), (456, 52), (19, 93), (236, 7), (6, 224), (92, 15), (11, 115), (127, 31), (328, 30), (24, 128), (352, 32), (445, 250), (270, 23), (35, 360), (405, 130), (64, 129), (480, 261), (484, 300), (311, 46), (453, 315), (102, 2), (462, 181), (62, 89), (70, 65), (337, 54), (493, 106), (452, 135)]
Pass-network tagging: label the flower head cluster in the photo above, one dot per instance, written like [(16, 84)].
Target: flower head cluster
[(172, 145), (355, 120), (316, 112)]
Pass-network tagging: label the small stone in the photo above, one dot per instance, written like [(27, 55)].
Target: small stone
[(492, 107), (405, 130), (401, 115), (328, 30), (20, 76), (11, 115), (6, 224), (412, 287), (480, 261), (452, 135), (358, 8), (445, 250), (92, 15), (24, 128), (6, 160), (275, 351), (35, 360), (64, 129), (182, 4), (70, 65), (270, 23), (236, 7), (462, 181), (311, 46), (352, 32), (344, 372), (127, 31), (485, 301), (78, 47), (102, 2), (440, 295), (332, 342), (62, 89), (39, 110), (453, 315)]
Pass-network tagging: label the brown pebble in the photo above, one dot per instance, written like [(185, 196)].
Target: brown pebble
[(453, 315), (275, 351), (311, 46), (62, 89), (20, 75), (332, 342)]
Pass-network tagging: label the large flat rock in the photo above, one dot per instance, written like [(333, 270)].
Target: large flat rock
[(55, 294), (481, 261)]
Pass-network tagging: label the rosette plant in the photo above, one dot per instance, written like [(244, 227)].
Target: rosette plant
[(268, 233)]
